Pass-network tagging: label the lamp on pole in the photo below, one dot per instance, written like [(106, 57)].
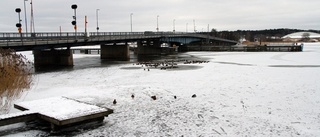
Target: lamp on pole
[(97, 17), (174, 25), (194, 26), (74, 23), (25, 16), (18, 25), (158, 23), (32, 27), (187, 28), (131, 20)]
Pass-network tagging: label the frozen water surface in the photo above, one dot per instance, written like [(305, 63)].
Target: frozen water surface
[(238, 94)]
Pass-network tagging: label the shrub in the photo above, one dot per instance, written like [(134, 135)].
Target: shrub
[(15, 77)]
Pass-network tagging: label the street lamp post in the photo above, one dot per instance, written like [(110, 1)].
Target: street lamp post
[(74, 23), (85, 26), (187, 28), (174, 25), (158, 23), (208, 40), (97, 17), (131, 20), (25, 16), (32, 26), (194, 26), (18, 25)]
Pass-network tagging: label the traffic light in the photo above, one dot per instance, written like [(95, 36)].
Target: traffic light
[(18, 25), (74, 23), (20, 29), (18, 10), (74, 6)]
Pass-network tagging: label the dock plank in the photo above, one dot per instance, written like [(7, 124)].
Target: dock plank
[(18, 117), (61, 111)]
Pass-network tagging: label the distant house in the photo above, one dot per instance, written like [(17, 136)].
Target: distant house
[(302, 36)]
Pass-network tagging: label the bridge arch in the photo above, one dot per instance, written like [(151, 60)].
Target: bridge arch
[(183, 40)]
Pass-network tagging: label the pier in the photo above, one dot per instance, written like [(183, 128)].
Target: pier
[(271, 47), (59, 112)]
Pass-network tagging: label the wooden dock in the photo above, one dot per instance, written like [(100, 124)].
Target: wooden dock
[(18, 117), (58, 111)]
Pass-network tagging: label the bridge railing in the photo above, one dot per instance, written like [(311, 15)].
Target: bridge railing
[(43, 35), (21, 39)]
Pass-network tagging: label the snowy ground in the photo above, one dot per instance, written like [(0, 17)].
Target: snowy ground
[(238, 94)]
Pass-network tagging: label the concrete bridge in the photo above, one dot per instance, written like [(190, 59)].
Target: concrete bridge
[(114, 45)]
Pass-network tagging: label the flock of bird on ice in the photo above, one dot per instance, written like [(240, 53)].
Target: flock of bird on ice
[(163, 66)]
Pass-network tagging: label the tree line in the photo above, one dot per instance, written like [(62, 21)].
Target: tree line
[(271, 35)]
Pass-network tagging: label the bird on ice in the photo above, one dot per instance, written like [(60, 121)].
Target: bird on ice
[(154, 97), (114, 101)]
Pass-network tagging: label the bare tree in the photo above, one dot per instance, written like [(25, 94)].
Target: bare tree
[(15, 76)]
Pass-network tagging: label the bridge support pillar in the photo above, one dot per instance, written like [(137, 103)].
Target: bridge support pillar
[(115, 52), (48, 58)]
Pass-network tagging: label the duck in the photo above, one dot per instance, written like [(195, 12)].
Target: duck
[(114, 101), (194, 95)]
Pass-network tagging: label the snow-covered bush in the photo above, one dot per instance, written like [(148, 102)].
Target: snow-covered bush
[(15, 76)]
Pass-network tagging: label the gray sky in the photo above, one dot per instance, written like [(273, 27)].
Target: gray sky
[(114, 15)]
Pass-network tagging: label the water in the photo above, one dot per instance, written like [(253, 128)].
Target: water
[(85, 61)]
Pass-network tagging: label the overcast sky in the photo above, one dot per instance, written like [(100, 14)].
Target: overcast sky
[(114, 15)]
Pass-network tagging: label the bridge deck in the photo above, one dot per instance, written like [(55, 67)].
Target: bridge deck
[(23, 41)]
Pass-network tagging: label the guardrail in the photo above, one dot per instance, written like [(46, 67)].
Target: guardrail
[(19, 36), (45, 35)]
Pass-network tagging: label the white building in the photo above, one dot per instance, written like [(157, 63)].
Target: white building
[(302, 36)]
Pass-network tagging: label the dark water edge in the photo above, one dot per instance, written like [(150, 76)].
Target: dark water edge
[(93, 61)]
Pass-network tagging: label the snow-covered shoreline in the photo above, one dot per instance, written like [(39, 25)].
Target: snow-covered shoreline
[(238, 94)]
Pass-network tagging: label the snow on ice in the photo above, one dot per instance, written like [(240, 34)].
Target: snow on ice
[(238, 94), (61, 108)]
